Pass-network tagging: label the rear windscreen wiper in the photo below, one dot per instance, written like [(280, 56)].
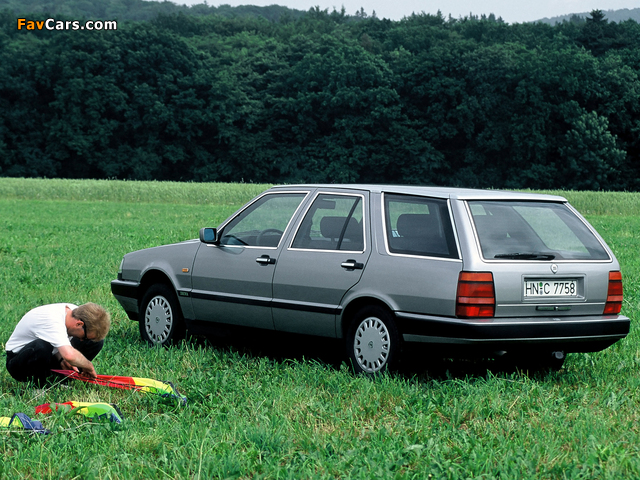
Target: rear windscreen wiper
[(526, 256)]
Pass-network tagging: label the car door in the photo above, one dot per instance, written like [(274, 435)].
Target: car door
[(325, 258), (232, 280)]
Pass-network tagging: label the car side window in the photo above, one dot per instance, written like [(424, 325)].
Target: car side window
[(419, 226), (263, 223), (333, 222)]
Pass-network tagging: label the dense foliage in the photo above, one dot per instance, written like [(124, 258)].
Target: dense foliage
[(325, 97)]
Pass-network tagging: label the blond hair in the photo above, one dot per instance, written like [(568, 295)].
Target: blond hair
[(96, 319)]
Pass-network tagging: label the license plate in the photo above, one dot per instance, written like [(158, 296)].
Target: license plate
[(550, 288)]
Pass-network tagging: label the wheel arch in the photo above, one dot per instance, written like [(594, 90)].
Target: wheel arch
[(152, 277), (354, 306)]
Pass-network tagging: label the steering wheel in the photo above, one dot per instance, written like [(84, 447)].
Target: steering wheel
[(265, 232)]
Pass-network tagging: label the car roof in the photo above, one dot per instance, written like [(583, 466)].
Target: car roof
[(438, 192)]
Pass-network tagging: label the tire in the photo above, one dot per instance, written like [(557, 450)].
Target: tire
[(161, 321), (372, 341)]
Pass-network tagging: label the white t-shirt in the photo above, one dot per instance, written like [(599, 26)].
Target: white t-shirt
[(44, 323)]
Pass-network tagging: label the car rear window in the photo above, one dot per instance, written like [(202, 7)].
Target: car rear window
[(533, 231), (419, 226)]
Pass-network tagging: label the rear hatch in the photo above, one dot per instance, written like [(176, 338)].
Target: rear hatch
[(546, 260)]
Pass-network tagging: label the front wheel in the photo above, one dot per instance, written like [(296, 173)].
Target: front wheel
[(161, 322), (372, 341)]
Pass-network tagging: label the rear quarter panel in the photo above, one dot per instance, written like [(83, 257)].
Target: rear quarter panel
[(412, 284)]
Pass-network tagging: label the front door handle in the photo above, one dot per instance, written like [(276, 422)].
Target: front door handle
[(352, 265), (266, 260)]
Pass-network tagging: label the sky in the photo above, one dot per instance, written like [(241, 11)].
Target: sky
[(511, 11)]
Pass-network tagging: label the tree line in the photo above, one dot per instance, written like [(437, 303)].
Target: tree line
[(138, 10), (326, 97)]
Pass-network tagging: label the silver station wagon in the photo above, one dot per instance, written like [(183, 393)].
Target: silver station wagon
[(465, 272)]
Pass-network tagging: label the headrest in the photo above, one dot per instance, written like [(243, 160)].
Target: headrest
[(331, 227)]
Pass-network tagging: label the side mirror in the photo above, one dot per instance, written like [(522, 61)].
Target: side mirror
[(209, 235)]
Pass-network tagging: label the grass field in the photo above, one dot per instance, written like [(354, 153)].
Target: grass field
[(261, 410)]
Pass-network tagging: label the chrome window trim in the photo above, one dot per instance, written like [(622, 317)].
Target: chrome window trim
[(364, 220), (406, 255)]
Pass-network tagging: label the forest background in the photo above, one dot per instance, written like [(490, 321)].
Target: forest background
[(216, 94)]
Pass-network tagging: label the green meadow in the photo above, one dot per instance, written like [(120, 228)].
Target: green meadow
[(264, 408)]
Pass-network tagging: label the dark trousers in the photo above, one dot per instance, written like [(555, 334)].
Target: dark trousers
[(35, 361)]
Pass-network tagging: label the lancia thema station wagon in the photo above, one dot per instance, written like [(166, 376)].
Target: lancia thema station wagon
[(467, 272)]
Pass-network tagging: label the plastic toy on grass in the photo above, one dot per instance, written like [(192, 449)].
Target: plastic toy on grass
[(101, 411), (165, 390), (21, 422)]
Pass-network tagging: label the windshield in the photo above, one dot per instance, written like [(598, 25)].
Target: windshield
[(533, 231)]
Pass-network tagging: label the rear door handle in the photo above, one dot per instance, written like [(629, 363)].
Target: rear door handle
[(352, 265), (266, 260)]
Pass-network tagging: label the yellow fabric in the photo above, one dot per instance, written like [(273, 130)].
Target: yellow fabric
[(4, 422)]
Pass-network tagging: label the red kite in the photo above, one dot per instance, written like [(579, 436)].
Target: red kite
[(164, 389)]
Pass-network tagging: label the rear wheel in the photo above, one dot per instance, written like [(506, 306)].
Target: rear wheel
[(161, 322), (372, 341)]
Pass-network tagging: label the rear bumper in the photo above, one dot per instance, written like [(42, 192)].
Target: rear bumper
[(127, 294), (571, 334)]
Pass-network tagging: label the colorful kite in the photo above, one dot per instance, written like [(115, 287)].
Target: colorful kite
[(20, 421), (101, 411), (164, 389)]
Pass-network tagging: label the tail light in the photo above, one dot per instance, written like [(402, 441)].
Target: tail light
[(476, 295), (614, 295)]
